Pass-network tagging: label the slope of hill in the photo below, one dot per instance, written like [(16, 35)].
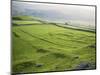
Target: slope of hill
[(38, 46)]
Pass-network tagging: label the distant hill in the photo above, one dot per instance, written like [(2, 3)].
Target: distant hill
[(50, 15), (75, 17)]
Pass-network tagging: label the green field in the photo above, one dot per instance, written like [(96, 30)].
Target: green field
[(38, 46)]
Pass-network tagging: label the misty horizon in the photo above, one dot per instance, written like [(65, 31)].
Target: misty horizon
[(56, 12)]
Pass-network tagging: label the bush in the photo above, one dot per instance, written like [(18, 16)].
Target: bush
[(19, 67), (16, 18), (59, 55), (39, 65), (42, 50), (15, 34)]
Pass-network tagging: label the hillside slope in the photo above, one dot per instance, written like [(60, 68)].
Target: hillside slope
[(39, 47)]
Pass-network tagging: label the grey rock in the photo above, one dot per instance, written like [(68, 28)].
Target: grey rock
[(82, 66), (39, 65)]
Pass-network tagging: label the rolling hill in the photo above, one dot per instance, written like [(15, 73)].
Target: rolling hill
[(39, 46)]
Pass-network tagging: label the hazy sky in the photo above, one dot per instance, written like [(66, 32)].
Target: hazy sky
[(72, 12)]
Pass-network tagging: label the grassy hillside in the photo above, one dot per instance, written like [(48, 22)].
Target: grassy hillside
[(40, 47)]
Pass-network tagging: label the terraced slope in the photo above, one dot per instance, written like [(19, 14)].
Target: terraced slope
[(41, 47)]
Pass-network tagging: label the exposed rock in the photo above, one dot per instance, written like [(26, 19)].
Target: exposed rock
[(39, 65), (82, 66)]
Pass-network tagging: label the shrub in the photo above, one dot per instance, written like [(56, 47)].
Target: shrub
[(42, 50), (59, 55), (15, 34)]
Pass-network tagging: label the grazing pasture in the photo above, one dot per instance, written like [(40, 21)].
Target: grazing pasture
[(38, 46)]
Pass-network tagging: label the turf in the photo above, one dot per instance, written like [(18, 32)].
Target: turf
[(18, 22), (41, 47)]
